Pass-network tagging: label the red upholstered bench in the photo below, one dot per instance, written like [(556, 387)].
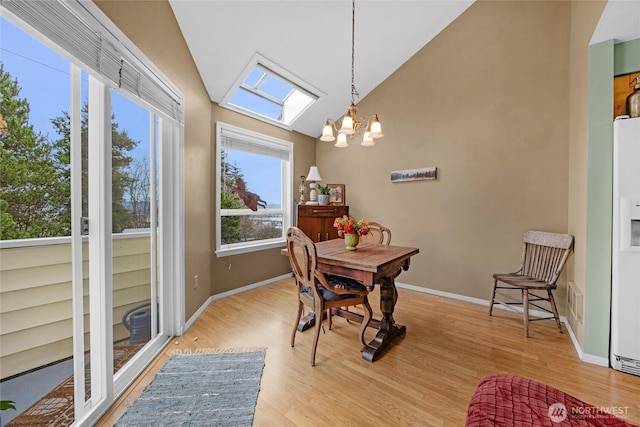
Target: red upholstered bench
[(510, 401)]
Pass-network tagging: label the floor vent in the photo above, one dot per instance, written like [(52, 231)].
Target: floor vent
[(630, 366)]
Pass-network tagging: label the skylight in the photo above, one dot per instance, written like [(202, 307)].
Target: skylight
[(276, 97)]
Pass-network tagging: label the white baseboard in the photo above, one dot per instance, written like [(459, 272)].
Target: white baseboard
[(472, 300), (589, 358), (216, 297)]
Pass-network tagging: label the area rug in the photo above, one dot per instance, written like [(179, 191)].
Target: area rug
[(210, 387), (56, 407)]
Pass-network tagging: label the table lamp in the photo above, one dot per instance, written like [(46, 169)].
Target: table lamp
[(313, 176)]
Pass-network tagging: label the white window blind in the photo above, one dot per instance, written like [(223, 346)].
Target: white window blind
[(246, 142), (71, 26)]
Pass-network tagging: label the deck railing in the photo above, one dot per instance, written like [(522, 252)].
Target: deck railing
[(35, 296)]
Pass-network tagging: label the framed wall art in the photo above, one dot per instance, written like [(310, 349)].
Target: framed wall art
[(414, 174), (336, 194)]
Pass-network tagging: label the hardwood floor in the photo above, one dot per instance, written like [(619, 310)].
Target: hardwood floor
[(425, 379)]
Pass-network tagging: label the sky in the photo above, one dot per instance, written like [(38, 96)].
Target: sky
[(43, 76)]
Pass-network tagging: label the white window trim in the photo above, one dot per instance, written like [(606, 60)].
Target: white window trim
[(260, 61), (287, 198)]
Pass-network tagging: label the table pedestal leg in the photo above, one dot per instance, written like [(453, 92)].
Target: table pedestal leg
[(389, 330)]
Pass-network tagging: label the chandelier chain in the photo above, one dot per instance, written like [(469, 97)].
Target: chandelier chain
[(354, 92), (351, 124)]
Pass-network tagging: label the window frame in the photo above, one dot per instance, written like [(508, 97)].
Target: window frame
[(286, 209), (271, 69)]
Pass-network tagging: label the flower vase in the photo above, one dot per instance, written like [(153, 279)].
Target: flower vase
[(351, 240)]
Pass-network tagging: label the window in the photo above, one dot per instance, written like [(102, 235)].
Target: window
[(267, 92), (254, 187)]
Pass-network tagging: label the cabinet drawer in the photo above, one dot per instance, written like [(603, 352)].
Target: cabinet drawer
[(322, 211)]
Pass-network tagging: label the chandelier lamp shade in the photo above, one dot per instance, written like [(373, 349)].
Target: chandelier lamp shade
[(350, 124)]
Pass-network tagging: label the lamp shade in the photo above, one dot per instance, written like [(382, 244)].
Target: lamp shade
[(313, 174), (376, 128), (347, 126), (342, 141), (367, 141), (327, 132)]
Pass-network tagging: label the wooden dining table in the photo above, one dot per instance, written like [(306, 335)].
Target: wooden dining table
[(371, 264)]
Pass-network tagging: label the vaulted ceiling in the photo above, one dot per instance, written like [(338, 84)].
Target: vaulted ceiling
[(312, 41)]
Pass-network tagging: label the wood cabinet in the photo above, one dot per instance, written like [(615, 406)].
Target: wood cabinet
[(316, 221)]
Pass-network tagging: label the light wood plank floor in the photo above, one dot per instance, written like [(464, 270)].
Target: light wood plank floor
[(426, 379)]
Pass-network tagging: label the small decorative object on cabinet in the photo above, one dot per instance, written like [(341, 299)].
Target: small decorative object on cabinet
[(323, 197), (301, 189), (317, 221), (336, 194)]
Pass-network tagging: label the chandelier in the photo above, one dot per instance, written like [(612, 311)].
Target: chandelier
[(370, 128)]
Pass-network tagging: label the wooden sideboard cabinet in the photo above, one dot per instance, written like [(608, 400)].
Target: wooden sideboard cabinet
[(316, 221)]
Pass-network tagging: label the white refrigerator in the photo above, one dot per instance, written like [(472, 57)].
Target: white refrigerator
[(625, 256)]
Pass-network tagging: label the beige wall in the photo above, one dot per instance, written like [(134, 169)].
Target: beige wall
[(487, 102), (151, 25), (584, 18)]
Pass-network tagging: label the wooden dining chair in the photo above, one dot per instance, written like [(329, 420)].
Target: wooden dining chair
[(543, 258), (378, 233), (318, 291)]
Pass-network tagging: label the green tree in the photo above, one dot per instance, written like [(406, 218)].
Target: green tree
[(35, 181), (139, 191), (31, 184), (229, 199), (121, 143), (7, 224)]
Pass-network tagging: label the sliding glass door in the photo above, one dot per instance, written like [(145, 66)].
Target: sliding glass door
[(105, 240), (128, 318)]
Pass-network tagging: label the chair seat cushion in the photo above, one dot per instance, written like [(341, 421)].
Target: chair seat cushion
[(521, 281), (344, 282)]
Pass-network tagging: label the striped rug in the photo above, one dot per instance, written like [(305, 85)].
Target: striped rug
[(209, 387)]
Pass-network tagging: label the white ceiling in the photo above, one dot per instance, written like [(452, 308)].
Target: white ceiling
[(620, 21), (312, 40)]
